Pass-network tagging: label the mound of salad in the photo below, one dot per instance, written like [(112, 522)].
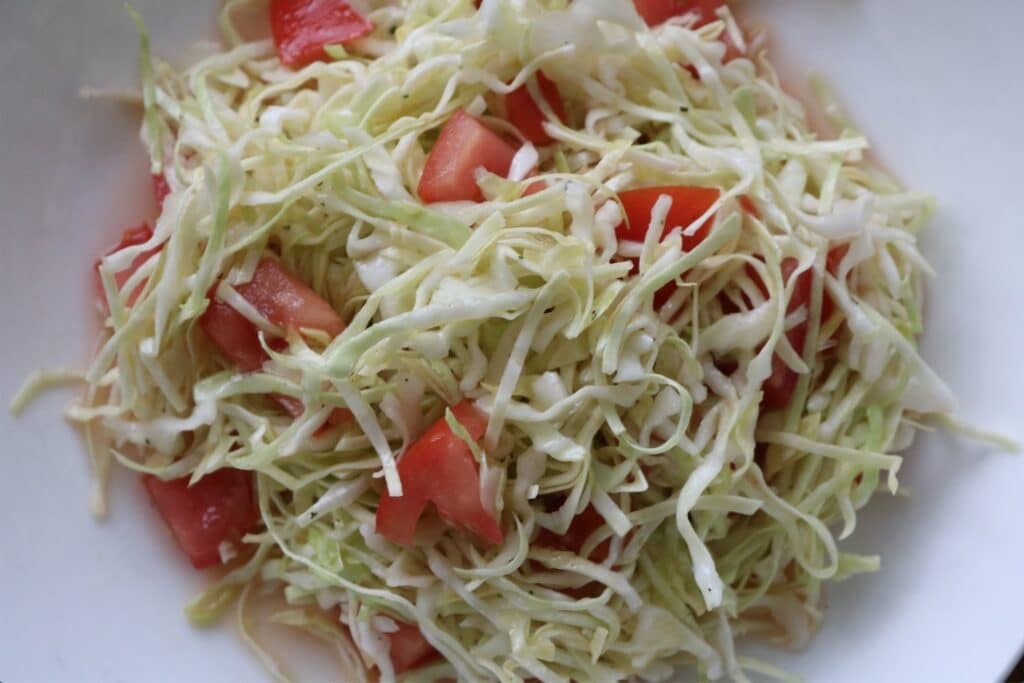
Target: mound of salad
[(510, 341)]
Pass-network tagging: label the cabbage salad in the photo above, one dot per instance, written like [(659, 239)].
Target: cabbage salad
[(675, 420)]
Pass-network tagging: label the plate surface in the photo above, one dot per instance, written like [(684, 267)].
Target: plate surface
[(937, 88)]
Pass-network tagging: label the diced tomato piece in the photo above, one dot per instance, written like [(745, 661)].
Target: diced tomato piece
[(535, 187), (835, 257), (409, 649), (439, 468), (219, 507), (233, 335), (301, 28), (780, 385), (581, 528), (288, 302), (339, 417), (525, 115), (283, 300), (832, 261), (748, 205), (160, 188), (688, 204), (465, 144), (657, 12), (778, 388), (130, 238)]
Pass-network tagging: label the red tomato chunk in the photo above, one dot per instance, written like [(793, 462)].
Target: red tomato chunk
[(285, 301), (524, 114), (409, 649), (279, 296), (580, 529), (779, 387), (657, 12), (465, 144), (688, 205), (160, 189), (130, 238), (302, 28), (440, 469), (219, 507)]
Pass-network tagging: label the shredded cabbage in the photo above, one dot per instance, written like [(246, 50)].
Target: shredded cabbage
[(723, 520)]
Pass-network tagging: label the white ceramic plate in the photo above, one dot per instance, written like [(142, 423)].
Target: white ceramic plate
[(937, 87)]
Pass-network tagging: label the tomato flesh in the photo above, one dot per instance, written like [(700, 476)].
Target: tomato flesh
[(285, 301), (524, 114), (234, 336), (748, 205), (130, 238), (219, 507), (301, 28), (580, 529), (688, 205), (409, 649), (832, 261), (465, 144), (161, 188), (779, 387), (657, 12), (282, 299), (439, 468)]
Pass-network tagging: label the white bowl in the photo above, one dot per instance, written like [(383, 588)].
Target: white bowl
[(938, 89)]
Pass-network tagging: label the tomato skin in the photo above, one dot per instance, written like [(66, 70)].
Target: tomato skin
[(657, 12), (779, 387), (524, 114), (219, 507), (582, 526), (160, 188), (285, 301), (130, 238), (234, 336), (835, 257), (465, 144), (832, 262), (301, 28), (281, 298), (688, 204), (439, 468), (748, 205), (409, 649)]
